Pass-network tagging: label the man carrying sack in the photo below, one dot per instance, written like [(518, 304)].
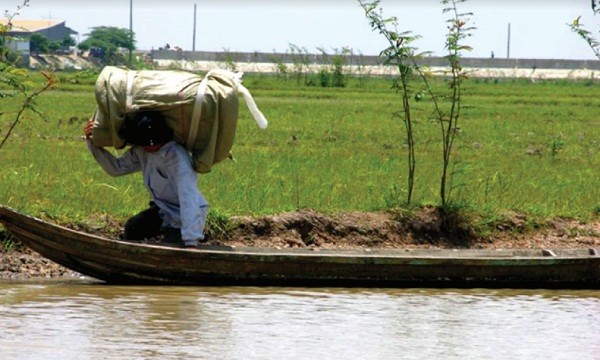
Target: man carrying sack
[(177, 124), (202, 111)]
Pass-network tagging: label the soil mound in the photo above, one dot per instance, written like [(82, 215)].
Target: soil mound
[(425, 228)]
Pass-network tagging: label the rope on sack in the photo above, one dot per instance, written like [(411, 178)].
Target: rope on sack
[(129, 96), (197, 112), (257, 114)]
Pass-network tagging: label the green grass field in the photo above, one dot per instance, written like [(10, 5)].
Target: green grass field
[(528, 147)]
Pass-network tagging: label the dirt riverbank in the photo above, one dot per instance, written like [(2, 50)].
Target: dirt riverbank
[(426, 228)]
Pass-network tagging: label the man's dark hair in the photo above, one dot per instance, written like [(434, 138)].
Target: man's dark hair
[(146, 129)]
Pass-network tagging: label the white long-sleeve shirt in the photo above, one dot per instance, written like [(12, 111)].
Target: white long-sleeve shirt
[(170, 180)]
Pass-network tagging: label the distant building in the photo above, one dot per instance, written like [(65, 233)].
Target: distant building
[(53, 30)]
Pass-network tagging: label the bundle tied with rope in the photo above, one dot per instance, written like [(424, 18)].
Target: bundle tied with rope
[(202, 111)]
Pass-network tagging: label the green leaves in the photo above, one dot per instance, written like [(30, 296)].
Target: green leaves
[(16, 83), (403, 55), (109, 40), (578, 28)]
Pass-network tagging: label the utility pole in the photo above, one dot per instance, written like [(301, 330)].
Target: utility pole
[(508, 43), (130, 29), (194, 35)]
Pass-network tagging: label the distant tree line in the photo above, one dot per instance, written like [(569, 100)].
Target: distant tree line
[(107, 43), (104, 43), (39, 44)]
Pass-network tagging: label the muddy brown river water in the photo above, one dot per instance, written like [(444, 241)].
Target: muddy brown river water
[(84, 320)]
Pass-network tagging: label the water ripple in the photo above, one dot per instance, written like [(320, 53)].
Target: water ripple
[(104, 322)]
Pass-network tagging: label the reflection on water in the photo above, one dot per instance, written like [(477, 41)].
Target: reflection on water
[(94, 321)]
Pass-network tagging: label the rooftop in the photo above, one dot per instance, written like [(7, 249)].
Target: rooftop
[(32, 25)]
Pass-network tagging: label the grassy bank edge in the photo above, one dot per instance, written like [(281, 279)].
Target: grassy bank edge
[(454, 227)]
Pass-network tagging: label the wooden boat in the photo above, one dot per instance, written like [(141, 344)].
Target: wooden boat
[(123, 262)]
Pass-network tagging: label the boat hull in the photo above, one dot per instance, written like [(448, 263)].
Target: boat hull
[(117, 261)]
